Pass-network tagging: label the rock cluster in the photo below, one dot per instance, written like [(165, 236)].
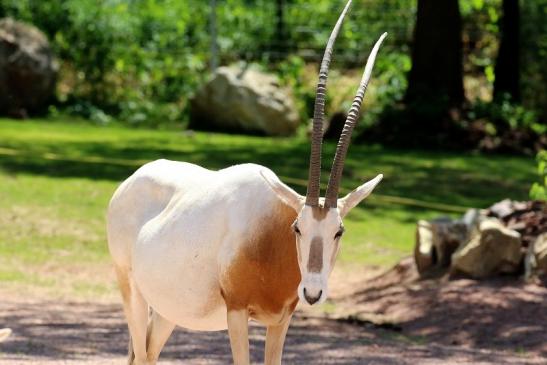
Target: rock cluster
[(507, 238)]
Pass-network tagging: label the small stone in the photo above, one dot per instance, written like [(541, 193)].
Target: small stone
[(502, 209)]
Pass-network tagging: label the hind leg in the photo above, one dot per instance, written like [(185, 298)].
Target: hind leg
[(136, 313), (159, 330)]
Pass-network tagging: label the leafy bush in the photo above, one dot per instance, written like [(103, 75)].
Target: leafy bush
[(539, 189), (138, 60), (506, 126), (292, 74), (388, 87), (141, 60)]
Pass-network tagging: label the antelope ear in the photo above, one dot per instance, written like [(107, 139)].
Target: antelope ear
[(348, 202), (283, 191)]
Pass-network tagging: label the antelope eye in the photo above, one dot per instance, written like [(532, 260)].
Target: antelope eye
[(339, 234), (296, 230)]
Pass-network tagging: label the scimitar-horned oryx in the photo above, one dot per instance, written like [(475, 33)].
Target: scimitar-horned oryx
[(209, 250)]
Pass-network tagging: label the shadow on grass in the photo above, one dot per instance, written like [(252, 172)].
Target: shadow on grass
[(119, 162)]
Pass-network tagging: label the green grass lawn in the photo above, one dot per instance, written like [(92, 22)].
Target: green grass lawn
[(56, 178)]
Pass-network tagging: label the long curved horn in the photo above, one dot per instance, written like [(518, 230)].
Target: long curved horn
[(314, 178), (331, 196)]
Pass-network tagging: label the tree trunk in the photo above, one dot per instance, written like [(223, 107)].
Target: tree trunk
[(280, 29), (507, 64), (213, 62), (437, 69)]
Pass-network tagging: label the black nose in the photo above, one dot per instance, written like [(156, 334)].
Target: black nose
[(311, 299)]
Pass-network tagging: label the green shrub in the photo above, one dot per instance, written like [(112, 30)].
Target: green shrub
[(507, 116), (138, 61), (539, 189), (141, 60), (292, 74), (505, 126)]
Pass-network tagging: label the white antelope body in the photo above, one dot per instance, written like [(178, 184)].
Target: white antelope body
[(185, 241), (209, 250)]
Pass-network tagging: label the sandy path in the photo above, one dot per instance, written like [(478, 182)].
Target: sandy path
[(48, 332)]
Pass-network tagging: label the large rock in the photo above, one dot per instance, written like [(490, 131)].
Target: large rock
[(436, 241), (247, 101), (28, 70), (493, 249)]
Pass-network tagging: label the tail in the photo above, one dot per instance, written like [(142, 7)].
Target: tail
[(130, 352)]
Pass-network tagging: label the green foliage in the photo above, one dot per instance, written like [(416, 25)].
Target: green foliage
[(141, 60), (389, 86), (481, 36), (505, 126), (533, 56), (310, 25), (292, 74), (506, 115), (481, 40), (539, 189), (138, 60)]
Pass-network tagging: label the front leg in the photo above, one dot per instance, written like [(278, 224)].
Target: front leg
[(275, 338), (238, 330)]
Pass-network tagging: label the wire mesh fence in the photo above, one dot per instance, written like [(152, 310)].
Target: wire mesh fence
[(272, 30)]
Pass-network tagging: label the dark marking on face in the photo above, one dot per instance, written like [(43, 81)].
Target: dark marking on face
[(315, 260), (319, 213)]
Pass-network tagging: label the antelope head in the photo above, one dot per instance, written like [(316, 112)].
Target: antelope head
[(318, 226)]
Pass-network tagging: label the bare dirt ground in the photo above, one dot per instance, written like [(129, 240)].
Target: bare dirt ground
[(394, 319), (503, 313)]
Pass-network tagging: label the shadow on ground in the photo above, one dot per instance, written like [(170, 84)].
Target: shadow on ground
[(502, 313), (60, 333)]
